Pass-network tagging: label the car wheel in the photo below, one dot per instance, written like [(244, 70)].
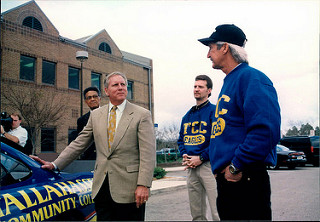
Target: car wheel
[(276, 167), (291, 166), (71, 215)]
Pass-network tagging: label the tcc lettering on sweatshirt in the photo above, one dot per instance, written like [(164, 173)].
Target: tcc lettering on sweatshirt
[(219, 125), (194, 140), (196, 127)]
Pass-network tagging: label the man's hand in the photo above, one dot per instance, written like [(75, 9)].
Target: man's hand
[(142, 195), (45, 164), (231, 177), (191, 161), (2, 130)]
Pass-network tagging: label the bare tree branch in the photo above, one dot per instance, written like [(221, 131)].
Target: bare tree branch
[(37, 107)]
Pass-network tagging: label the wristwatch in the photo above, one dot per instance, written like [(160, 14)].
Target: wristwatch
[(201, 158), (233, 170)]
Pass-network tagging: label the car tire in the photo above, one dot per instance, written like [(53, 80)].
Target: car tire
[(276, 167), (71, 215), (291, 166)]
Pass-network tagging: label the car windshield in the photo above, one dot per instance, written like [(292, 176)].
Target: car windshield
[(283, 148), (12, 171)]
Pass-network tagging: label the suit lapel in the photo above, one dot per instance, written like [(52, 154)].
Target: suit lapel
[(103, 120), (123, 125)]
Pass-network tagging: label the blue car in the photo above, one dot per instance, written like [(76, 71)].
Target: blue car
[(30, 193)]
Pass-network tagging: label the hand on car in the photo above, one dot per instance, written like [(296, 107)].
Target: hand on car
[(45, 164)]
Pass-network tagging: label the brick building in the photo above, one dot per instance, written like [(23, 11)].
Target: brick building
[(35, 56)]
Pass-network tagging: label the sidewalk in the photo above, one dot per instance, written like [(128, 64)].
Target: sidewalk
[(169, 183)]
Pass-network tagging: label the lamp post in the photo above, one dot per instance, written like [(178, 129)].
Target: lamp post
[(81, 56)]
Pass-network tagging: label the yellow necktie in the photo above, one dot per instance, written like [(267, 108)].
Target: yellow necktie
[(112, 126)]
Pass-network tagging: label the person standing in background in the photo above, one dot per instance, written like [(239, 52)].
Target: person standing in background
[(17, 134), (193, 142), (92, 99)]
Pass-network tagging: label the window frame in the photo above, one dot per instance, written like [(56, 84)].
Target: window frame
[(54, 72), (69, 82), (99, 77), (33, 24), (105, 47), (53, 142), (25, 69), (130, 90)]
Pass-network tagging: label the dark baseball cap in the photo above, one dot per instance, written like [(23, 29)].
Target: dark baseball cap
[(226, 33)]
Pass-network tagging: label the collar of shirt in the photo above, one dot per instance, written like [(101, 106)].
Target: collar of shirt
[(119, 111), (194, 108)]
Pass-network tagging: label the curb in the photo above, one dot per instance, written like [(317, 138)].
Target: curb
[(168, 189)]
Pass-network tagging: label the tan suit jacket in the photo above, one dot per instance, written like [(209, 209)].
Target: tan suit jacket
[(131, 159)]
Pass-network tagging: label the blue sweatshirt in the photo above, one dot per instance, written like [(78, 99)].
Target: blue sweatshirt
[(246, 125), (195, 131)]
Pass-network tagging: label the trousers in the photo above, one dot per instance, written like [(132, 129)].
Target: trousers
[(202, 184), (247, 199), (108, 210)]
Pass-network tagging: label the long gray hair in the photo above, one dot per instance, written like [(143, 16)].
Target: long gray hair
[(237, 52)]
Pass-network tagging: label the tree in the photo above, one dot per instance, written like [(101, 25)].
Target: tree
[(37, 107), (168, 136), (293, 132), (305, 129)]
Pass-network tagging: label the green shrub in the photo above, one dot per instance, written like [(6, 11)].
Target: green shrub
[(159, 172)]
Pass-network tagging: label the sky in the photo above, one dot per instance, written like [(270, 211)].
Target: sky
[(283, 42)]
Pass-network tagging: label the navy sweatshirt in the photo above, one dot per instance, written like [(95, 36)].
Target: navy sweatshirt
[(195, 131), (246, 125)]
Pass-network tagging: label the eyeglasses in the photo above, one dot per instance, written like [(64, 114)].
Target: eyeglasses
[(92, 97)]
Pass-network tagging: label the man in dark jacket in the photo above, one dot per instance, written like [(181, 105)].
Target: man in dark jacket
[(92, 99)]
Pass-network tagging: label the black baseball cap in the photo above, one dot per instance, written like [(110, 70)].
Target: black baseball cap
[(226, 33)]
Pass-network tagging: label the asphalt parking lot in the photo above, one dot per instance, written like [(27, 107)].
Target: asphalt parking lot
[(295, 197)]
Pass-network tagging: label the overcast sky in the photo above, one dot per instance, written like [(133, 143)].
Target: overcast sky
[(283, 42)]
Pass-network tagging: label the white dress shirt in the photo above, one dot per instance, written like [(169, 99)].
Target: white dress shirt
[(119, 111)]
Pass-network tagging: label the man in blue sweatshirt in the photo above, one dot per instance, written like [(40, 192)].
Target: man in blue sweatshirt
[(193, 142), (245, 129)]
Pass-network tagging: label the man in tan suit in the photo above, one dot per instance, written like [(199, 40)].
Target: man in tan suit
[(123, 171)]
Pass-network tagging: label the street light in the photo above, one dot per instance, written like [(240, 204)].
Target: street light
[(81, 56)]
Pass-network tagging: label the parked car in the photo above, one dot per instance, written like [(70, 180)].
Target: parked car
[(30, 193), (308, 144), (168, 151), (288, 158)]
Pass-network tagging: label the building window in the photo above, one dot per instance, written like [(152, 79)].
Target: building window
[(95, 80), (48, 139), (73, 78), (105, 47), (27, 68), (130, 90), (48, 72), (72, 134), (33, 23)]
